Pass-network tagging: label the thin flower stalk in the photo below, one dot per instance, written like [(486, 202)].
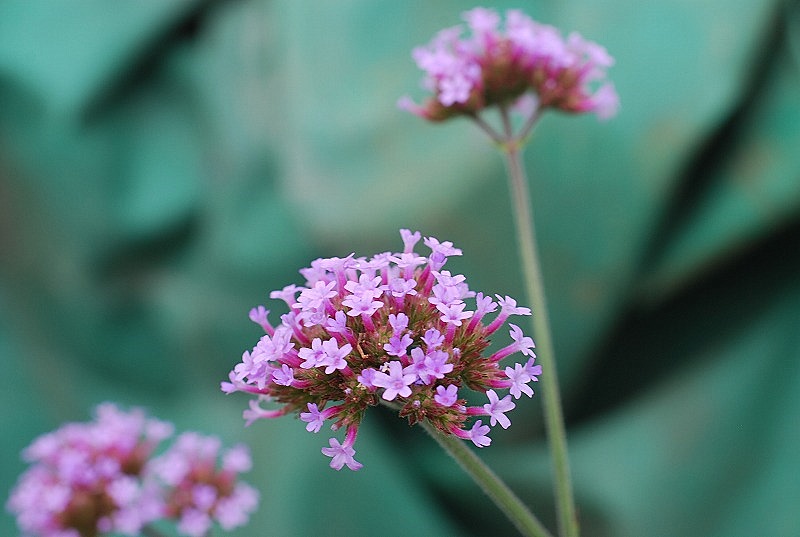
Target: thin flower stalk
[(554, 420), (494, 487)]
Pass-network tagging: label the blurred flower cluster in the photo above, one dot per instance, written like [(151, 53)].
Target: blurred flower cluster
[(391, 329), (521, 63), (103, 476)]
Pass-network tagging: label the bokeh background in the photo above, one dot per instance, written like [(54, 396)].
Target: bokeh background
[(165, 164)]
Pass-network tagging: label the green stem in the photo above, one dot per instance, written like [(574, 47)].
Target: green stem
[(554, 419), (485, 127), (492, 485)]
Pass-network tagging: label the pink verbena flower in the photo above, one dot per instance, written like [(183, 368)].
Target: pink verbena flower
[(200, 490), (363, 346), (84, 478), (88, 479), (522, 64), (342, 454)]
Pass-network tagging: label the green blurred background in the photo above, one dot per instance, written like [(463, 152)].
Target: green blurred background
[(165, 164)]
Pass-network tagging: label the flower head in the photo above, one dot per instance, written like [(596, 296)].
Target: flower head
[(85, 478), (364, 346), (99, 477), (200, 490), (506, 64)]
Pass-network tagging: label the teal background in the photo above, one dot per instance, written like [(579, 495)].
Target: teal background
[(164, 165)]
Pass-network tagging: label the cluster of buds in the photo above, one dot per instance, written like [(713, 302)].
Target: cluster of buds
[(524, 64), (391, 329), (101, 477)]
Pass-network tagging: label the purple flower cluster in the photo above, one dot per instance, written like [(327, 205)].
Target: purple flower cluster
[(524, 64), (197, 492), (100, 477), (392, 329)]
